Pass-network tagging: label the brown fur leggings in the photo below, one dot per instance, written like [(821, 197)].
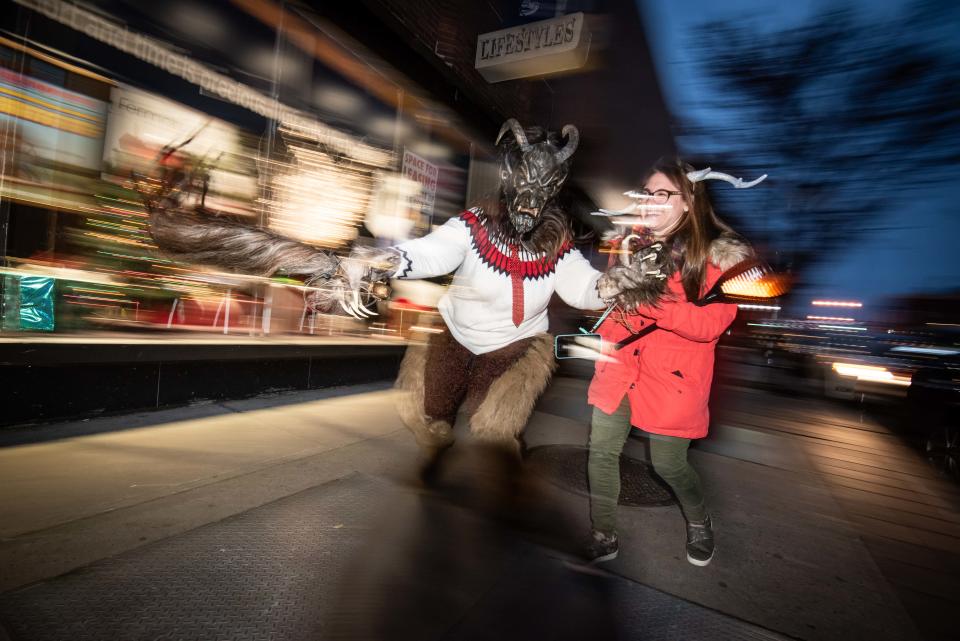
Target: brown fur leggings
[(456, 376)]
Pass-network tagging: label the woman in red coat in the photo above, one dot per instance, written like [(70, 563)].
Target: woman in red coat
[(660, 383)]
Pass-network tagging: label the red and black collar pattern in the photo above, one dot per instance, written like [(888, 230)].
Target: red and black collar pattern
[(496, 255)]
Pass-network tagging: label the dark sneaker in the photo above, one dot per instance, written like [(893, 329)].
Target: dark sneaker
[(602, 547), (700, 542)]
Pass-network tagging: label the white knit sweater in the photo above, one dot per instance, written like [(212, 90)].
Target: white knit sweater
[(482, 306)]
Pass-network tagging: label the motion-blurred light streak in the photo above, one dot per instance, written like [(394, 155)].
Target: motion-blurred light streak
[(836, 303), (870, 373)]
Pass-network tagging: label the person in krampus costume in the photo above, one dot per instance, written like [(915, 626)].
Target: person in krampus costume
[(494, 355)]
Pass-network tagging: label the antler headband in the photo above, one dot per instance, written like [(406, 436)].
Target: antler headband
[(709, 174)]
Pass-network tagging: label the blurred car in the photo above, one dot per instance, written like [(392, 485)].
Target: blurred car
[(910, 375), (850, 361)]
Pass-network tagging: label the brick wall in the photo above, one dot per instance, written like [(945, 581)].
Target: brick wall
[(445, 33)]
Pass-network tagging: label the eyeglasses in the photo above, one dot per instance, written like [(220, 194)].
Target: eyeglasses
[(660, 196)]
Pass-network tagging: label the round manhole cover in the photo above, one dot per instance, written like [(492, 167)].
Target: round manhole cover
[(566, 466)]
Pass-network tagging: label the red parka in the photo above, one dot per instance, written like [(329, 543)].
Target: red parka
[(666, 374)]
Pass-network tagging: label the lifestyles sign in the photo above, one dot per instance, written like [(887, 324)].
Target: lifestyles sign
[(534, 49)]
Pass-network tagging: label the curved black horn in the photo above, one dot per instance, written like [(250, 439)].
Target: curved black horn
[(573, 139), (518, 133)]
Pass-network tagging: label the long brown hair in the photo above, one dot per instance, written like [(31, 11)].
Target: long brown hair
[(698, 227)]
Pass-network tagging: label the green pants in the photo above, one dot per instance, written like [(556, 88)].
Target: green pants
[(608, 434)]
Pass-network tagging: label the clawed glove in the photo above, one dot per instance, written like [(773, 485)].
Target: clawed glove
[(360, 281), (642, 282)]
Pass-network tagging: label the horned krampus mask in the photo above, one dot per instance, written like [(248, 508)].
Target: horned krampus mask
[(531, 174)]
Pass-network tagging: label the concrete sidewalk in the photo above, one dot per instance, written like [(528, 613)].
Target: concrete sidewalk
[(788, 559)]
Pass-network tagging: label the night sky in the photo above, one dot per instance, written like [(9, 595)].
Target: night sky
[(911, 244)]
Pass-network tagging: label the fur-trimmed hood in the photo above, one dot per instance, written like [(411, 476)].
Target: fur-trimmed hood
[(729, 249)]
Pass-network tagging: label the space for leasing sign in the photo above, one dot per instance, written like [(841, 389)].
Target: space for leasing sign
[(424, 172), (534, 49)]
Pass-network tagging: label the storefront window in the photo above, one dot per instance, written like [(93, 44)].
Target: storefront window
[(291, 136)]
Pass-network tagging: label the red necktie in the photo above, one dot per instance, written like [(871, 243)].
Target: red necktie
[(516, 279)]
